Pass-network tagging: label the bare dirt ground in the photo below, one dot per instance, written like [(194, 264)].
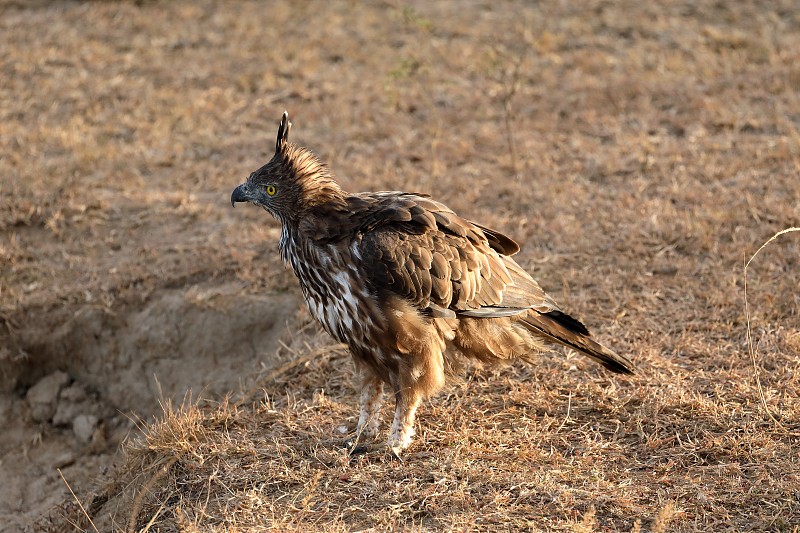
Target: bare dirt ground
[(639, 152)]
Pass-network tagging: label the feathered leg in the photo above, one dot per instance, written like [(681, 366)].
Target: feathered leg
[(371, 401), (418, 346), (423, 376), (403, 425)]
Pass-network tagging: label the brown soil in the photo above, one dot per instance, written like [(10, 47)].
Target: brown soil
[(638, 152)]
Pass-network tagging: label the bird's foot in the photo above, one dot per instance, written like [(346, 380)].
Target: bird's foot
[(358, 447), (357, 444), (375, 449), (364, 432), (399, 440)]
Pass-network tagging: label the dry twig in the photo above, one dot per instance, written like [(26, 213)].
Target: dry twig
[(750, 346)]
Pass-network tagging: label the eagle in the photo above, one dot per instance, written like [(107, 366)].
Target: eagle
[(412, 288)]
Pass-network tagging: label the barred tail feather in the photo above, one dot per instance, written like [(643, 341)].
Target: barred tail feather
[(563, 329)]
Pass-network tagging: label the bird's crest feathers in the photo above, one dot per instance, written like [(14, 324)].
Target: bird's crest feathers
[(283, 132)]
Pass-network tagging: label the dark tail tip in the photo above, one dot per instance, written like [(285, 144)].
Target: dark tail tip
[(563, 329), (613, 361)]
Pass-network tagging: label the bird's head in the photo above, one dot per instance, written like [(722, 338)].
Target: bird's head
[(291, 183)]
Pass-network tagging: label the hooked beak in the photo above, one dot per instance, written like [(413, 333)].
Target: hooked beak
[(240, 194)]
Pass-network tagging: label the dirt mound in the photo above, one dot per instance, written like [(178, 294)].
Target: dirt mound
[(106, 368), (202, 338)]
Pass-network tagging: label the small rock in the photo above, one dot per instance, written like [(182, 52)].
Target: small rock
[(74, 393), (42, 396), (63, 459), (72, 402), (83, 426)]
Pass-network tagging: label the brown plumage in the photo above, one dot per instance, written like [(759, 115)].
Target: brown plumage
[(411, 287)]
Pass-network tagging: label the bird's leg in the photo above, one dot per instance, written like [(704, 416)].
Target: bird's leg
[(408, 401), (371, 401)]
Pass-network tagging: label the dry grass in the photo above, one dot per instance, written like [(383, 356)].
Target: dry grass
[(496, 452), (638, 152)]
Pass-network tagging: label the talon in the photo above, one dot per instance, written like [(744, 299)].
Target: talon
[(353, 440), (395, 454), (360, 449)]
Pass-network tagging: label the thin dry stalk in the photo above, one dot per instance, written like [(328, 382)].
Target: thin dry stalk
[(750, 346), (89, 518), (512, 85)]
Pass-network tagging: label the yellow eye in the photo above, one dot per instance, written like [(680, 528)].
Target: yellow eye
[(271, 190)]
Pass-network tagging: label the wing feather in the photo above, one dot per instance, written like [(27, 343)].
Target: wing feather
[(419, 249)]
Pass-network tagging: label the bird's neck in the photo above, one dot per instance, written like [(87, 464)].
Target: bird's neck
[(288, 242), (308, 259), (314, 225)]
